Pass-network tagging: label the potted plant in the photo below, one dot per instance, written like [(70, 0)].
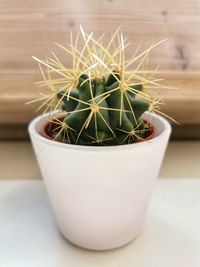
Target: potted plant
[(101, 145)]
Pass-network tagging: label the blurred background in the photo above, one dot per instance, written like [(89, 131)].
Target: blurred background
[(31, 27)]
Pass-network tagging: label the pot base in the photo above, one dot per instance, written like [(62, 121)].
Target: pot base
[(98, 248)]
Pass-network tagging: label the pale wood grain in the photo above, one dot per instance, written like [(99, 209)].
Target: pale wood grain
[(31, 27)]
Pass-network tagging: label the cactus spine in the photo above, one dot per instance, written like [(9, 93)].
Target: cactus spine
[(101, 100)]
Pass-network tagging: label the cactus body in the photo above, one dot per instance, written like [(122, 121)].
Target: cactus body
[(98, 112)]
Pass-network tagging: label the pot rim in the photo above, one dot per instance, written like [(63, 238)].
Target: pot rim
[(157, 137)]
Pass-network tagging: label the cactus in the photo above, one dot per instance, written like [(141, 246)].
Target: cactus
[(101, 100)]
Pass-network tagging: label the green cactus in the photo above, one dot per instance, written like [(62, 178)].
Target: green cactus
[(96, 116), (102, 103)]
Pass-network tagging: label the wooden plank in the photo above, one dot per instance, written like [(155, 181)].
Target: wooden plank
[(183, 104), (31, 27)]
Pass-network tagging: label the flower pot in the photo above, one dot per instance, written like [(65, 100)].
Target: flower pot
[(100, 194)]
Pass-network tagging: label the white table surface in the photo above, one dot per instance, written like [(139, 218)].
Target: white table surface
[(170, 237)]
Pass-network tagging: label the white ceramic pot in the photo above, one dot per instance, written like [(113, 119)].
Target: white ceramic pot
[(100, 194)]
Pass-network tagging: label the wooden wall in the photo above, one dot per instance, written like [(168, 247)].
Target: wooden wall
[(30, 27)]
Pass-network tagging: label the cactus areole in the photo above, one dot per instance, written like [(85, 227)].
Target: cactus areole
[(102, 96)]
